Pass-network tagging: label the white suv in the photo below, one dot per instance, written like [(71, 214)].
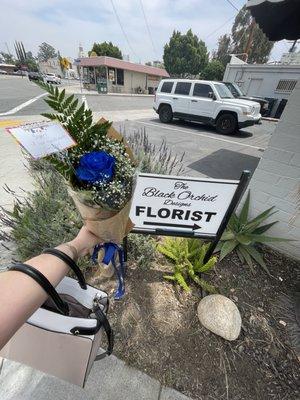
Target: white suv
[(52, 78), (204, 101)]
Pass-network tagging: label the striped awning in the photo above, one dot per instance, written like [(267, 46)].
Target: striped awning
[(279, 19)]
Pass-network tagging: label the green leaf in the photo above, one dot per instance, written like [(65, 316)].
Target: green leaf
[(264, 228), (61, 96), (240, 255), (244, 239), (259, 219), (228, 247), (247, 257), (267, 239), (49, 116), (245, 210), (258, 258), (209, 265), (228, 235)]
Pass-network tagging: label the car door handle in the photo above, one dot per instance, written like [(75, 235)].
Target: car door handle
[(175, 98), (194, 101)]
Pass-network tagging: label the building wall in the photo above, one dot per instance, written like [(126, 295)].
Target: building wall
[(262, 80), (51, 66), (276, 180)]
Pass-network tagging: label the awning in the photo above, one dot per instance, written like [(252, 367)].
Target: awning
[(278, 19)]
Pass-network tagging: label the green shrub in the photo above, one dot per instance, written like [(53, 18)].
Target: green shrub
[(141, 249), (243, 235), (154, 159), (187, 257)]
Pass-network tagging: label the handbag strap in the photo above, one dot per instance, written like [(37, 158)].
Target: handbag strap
[(61, 306), (109, 333), (71, 263)]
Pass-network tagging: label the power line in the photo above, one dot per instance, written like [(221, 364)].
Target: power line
[(220, 27), (148, 29), (122, 29), (228, 1)]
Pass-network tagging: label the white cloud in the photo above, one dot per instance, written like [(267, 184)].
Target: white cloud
[(66, 23)]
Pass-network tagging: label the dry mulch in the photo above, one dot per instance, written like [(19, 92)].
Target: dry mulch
[(157, 331)]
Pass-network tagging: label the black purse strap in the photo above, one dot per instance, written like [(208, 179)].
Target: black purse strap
[(109, 333), (71, 263), (62, 307)]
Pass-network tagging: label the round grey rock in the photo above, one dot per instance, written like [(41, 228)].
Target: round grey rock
[(220, 315)]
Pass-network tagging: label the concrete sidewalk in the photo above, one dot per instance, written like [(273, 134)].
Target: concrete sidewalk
[(110, 379), (76, 89)]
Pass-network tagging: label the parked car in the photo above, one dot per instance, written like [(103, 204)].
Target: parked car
[(238, 94), (52, 78), (2, 72), (35, 76), (204, 101)]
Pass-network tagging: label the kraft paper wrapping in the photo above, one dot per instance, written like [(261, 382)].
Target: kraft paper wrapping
[(109, 226)]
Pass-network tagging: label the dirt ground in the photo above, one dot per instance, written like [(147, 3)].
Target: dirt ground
[(157, 331)]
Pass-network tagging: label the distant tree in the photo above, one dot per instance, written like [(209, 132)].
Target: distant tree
[(185, 55), (46, 51), (106, 49), (222, 54), (260, 48), (7, 58), (149, 63), (214, 71), (20, 51)]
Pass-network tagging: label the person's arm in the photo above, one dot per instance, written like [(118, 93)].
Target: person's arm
[(21, 296)]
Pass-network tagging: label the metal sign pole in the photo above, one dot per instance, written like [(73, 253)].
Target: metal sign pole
[(234, 202)]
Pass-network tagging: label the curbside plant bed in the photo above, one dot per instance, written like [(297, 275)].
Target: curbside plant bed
[(157, 331)]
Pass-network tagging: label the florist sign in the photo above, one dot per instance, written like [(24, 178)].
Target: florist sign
[(181, 204)]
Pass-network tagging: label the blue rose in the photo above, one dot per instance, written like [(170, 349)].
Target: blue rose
[(97, 166)]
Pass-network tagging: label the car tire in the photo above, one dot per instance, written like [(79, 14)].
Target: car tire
[(165, 114), (226, 124)]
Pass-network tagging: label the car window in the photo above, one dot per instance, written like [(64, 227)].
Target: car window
[(202, 90), (223, 91), (167, 87), (183, 88)]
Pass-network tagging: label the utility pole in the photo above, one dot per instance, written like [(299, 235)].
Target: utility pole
[(293, 48), (250, 38)]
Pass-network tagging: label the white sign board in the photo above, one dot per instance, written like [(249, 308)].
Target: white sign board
[(42, 138), (181, 204)]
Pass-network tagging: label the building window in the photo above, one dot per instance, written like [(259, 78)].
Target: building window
[(111, 75), (183, 88), (286, 85), (120, 77), (202, 90), (167, 87)]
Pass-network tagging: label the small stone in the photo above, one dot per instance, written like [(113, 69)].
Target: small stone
[(220, 315), (283, 323), (235, 298), (241, 349), (260, 309), (232, 290), (281, 280)]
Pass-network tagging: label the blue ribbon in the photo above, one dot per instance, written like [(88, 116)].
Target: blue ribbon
[(111, 251)]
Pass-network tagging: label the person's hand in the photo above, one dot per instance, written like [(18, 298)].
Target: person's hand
[(84, 241)]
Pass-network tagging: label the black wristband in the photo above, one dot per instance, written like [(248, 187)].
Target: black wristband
[(71, 263)]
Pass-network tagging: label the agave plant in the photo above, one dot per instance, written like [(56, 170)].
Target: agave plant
[(242, 235), (187, 255)]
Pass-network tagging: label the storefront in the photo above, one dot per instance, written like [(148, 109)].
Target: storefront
[(107, 74)]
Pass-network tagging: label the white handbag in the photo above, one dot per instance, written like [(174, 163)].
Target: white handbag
[(63, 336)]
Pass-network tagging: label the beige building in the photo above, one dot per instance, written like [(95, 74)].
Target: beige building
[(107, 74)]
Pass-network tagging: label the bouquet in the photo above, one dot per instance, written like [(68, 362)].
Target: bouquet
[(99, 171)]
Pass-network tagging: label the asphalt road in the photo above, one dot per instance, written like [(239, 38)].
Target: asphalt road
[(207, 153), (14, 91)]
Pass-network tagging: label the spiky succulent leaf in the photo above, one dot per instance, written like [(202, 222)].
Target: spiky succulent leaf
[(228, 247), (245, 210)]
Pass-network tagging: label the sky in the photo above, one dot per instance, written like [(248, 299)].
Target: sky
[(146, 24)]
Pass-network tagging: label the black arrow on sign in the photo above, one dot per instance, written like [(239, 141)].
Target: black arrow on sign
[(193, 227)]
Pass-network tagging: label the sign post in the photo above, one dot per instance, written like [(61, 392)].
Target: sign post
[(185, 207)]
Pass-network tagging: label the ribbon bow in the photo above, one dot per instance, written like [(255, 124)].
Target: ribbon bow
[(112, 251)]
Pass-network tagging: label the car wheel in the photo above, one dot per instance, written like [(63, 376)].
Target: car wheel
[(165, 114), (226, 124)]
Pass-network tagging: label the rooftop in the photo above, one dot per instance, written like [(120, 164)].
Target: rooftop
[(116, 63)]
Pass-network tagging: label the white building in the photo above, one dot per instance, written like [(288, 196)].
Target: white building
[(52, 66), (274, 82)]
